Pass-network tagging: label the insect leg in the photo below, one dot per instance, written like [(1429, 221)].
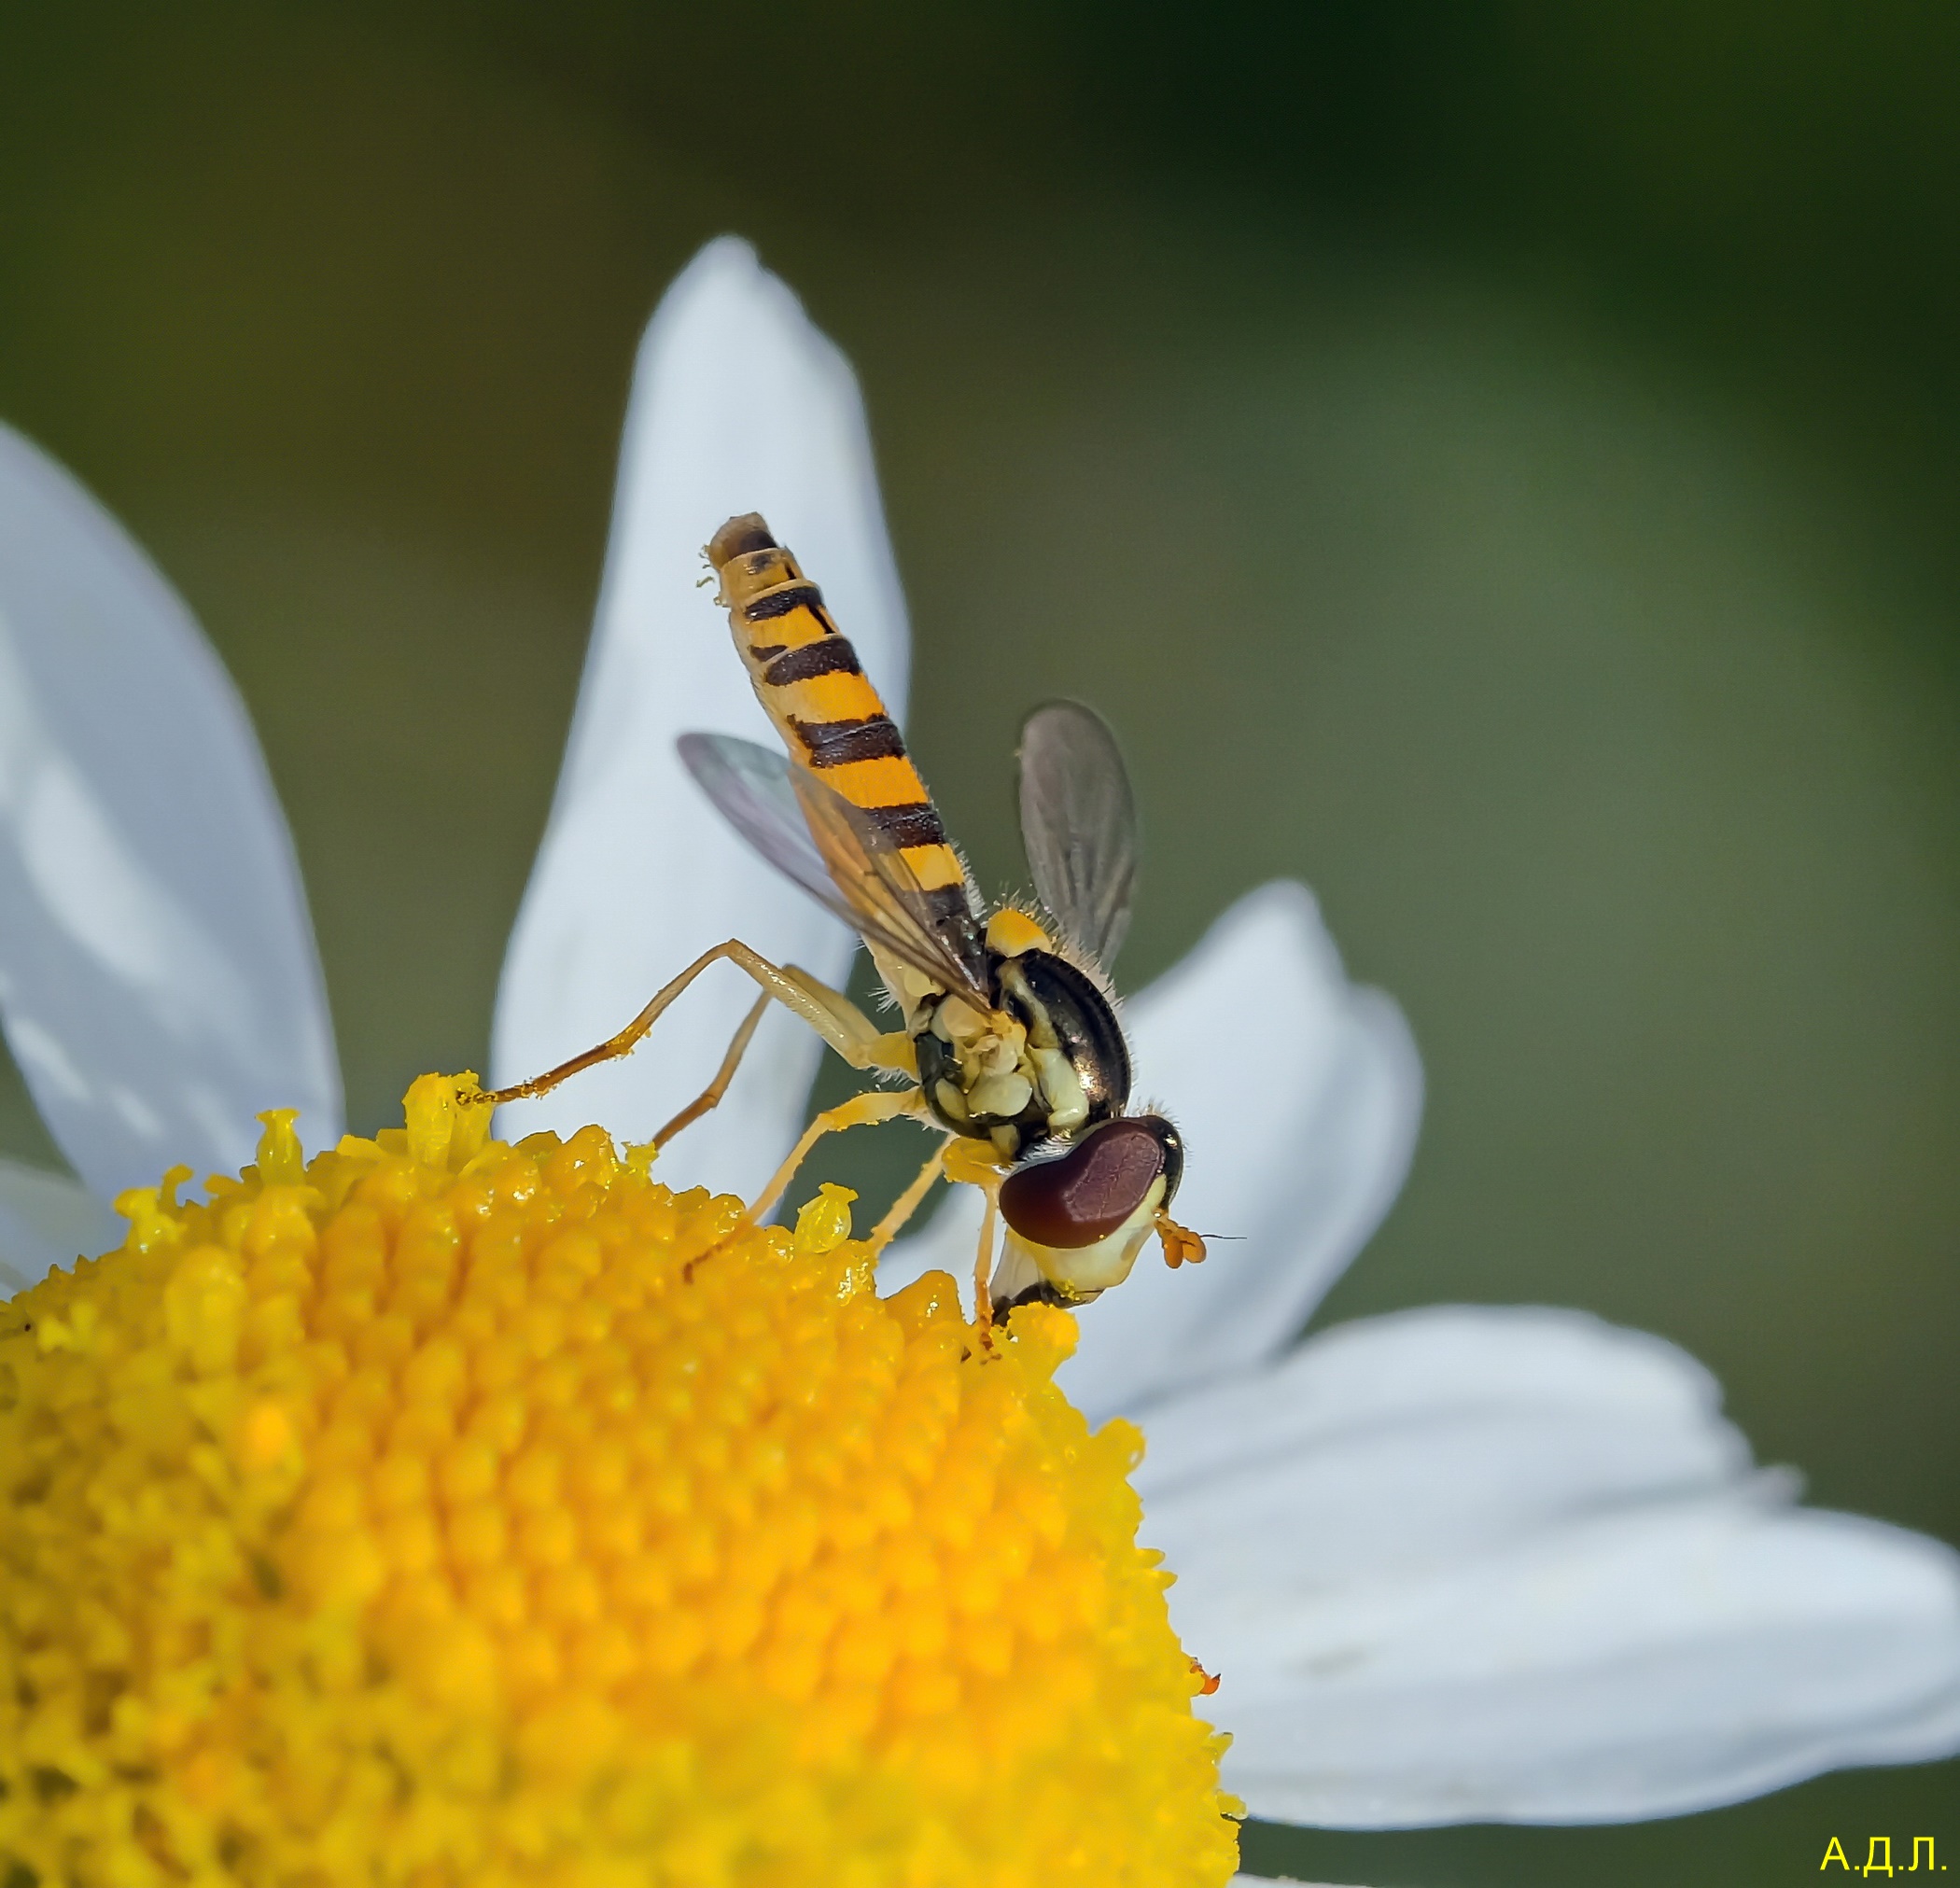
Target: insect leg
[(984, 1268), (907, 1204), (854, 1036), (857, 1038), (861, 1111), (711, 1096), (974, 1162)]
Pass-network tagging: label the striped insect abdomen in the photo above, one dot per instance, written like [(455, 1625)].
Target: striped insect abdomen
[(807, 677)]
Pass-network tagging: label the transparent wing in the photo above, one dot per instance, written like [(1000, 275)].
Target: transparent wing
[(813, 835), (749, 787), (868, 867), (1079, 824)]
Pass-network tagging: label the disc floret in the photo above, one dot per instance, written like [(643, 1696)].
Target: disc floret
[(441, 1511)]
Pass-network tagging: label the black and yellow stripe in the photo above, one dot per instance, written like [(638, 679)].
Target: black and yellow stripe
[(831, 718)]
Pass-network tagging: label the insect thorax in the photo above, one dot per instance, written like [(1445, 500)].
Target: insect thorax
[(1046, 1064)]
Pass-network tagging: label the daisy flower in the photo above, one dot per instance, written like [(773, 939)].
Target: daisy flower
[(1456, 1563)]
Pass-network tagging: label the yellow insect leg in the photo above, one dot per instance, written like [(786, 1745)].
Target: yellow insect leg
[(973, 1162), (710, 1096), (834, 1016), (861, 1111), (984, 1270), (907, 1204)]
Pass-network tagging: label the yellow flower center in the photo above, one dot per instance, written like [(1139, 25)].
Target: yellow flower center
[(458, 1514)]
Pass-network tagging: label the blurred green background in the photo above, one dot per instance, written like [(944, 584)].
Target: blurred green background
[(1497, 463)]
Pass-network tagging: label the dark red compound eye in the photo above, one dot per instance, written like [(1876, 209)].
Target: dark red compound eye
[(1086, 1194)]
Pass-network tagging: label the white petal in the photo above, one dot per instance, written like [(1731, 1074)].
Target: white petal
[(738, 404), (1473, 1564), (47, 1219), (157, 980), (1298, 1152)]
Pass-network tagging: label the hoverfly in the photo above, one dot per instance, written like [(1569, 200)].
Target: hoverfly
[(1010, 1041)]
